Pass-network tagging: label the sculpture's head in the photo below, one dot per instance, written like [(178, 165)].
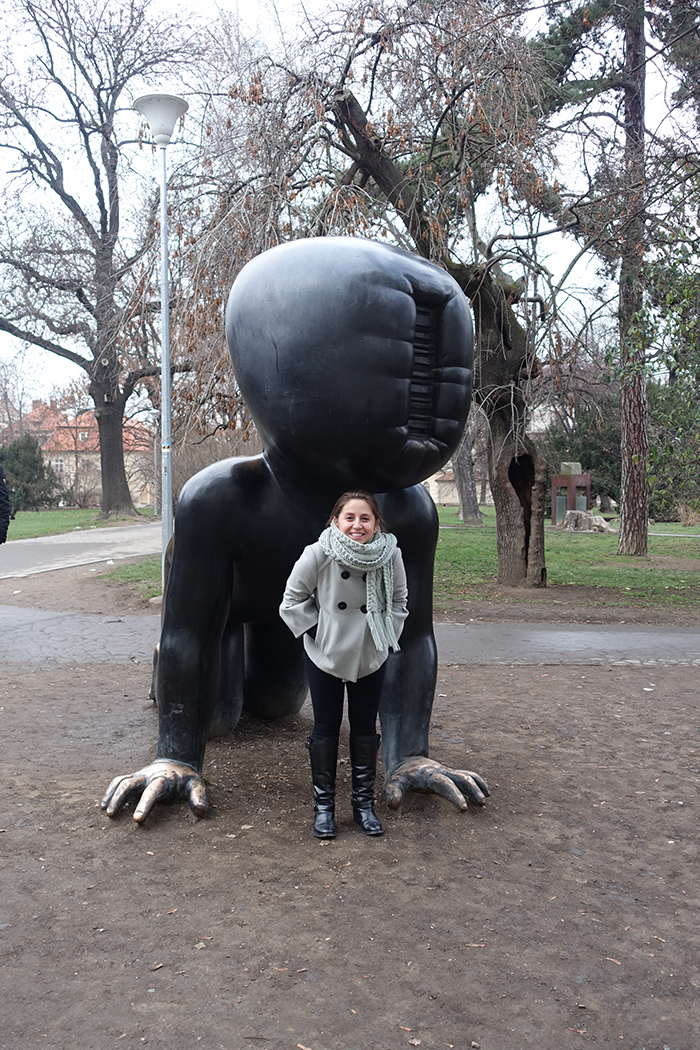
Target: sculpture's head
[(354, 359)]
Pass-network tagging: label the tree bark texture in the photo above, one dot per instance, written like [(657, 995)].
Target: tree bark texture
[(518, 474), (518, 479), (463, 467), (116, 498), (634, 502)]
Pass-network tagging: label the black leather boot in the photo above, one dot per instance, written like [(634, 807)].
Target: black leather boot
[(363, 755), (323, 752)]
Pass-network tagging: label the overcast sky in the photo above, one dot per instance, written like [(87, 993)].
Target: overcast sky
[(268, 18), (264, 17)]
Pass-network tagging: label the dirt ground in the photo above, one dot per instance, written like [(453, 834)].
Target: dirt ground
[(562, 915)]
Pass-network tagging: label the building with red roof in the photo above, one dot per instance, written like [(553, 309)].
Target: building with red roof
[(70, 443)]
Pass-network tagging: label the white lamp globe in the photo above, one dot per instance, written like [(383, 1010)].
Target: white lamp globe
[(162, 113)]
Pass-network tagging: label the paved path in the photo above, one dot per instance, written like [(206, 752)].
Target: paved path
[(526, 643), (20, 558), (33, 636)]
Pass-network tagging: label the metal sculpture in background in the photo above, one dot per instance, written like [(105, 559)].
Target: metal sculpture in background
[(354, 359)]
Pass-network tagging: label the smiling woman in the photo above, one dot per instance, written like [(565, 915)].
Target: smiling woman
[(346, 645), (356, 518)]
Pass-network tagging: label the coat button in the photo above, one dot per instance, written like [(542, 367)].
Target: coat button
[(345, 575), (363, 608), (342, 605)]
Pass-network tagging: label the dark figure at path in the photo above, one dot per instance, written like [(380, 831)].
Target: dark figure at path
[(354, 359), (4, 507)]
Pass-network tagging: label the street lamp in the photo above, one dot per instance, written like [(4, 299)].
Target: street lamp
[(162, 112)]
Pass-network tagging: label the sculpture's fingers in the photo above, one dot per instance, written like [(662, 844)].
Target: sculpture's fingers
[(441, 784), (110, 791), (395, 789), (118, 793), (470, 784), (197, 796), (159, 789)]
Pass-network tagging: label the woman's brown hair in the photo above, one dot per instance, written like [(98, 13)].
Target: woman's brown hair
[(359, 494)]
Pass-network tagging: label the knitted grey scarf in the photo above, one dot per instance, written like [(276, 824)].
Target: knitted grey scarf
[(376, 558)]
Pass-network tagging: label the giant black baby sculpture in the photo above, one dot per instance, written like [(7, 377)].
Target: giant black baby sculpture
[(355, 361)]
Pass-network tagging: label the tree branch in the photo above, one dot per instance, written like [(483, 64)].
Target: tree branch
[(45, 344), (374, 160)]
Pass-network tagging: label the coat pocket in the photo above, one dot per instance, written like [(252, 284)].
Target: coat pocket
[(322, 630)]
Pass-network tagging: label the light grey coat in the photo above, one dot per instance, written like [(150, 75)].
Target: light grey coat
[(323, 594)]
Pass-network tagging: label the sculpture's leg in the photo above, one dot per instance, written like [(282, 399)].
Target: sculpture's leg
[(409, 684), (229, 696), (275, 682), (407, 698)]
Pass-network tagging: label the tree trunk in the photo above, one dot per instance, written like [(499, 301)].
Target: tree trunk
[(634, 447), (116, 498), (463, 467), (634, 500), (518, 478), (517, 473), (503, 359)]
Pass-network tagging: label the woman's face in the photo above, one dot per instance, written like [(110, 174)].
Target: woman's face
[(357, 521)]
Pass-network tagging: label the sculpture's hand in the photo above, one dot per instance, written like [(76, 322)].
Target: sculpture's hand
[(423, 774), (162, 780)]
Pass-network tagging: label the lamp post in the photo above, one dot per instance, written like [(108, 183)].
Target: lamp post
[(162, 113)]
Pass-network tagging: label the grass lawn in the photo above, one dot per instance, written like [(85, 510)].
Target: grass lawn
[(669, 574), (143, 576), (466, 565), (28, 524)]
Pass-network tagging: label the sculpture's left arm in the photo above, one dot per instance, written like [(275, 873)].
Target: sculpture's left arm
[(196, 606), (409, 686)]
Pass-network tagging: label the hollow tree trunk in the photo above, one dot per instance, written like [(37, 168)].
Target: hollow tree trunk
[(517, 472), (518, 479), (463, 466)]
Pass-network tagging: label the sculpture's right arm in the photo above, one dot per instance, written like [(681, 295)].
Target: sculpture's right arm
[(196, 609)]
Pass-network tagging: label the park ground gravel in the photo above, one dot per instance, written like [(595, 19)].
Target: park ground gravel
[(562, 915)]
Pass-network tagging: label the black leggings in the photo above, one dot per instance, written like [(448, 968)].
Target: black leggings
[(327, 700)]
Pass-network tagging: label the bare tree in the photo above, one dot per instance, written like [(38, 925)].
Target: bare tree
[(17, 390), (393, 121), (69, 264)]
